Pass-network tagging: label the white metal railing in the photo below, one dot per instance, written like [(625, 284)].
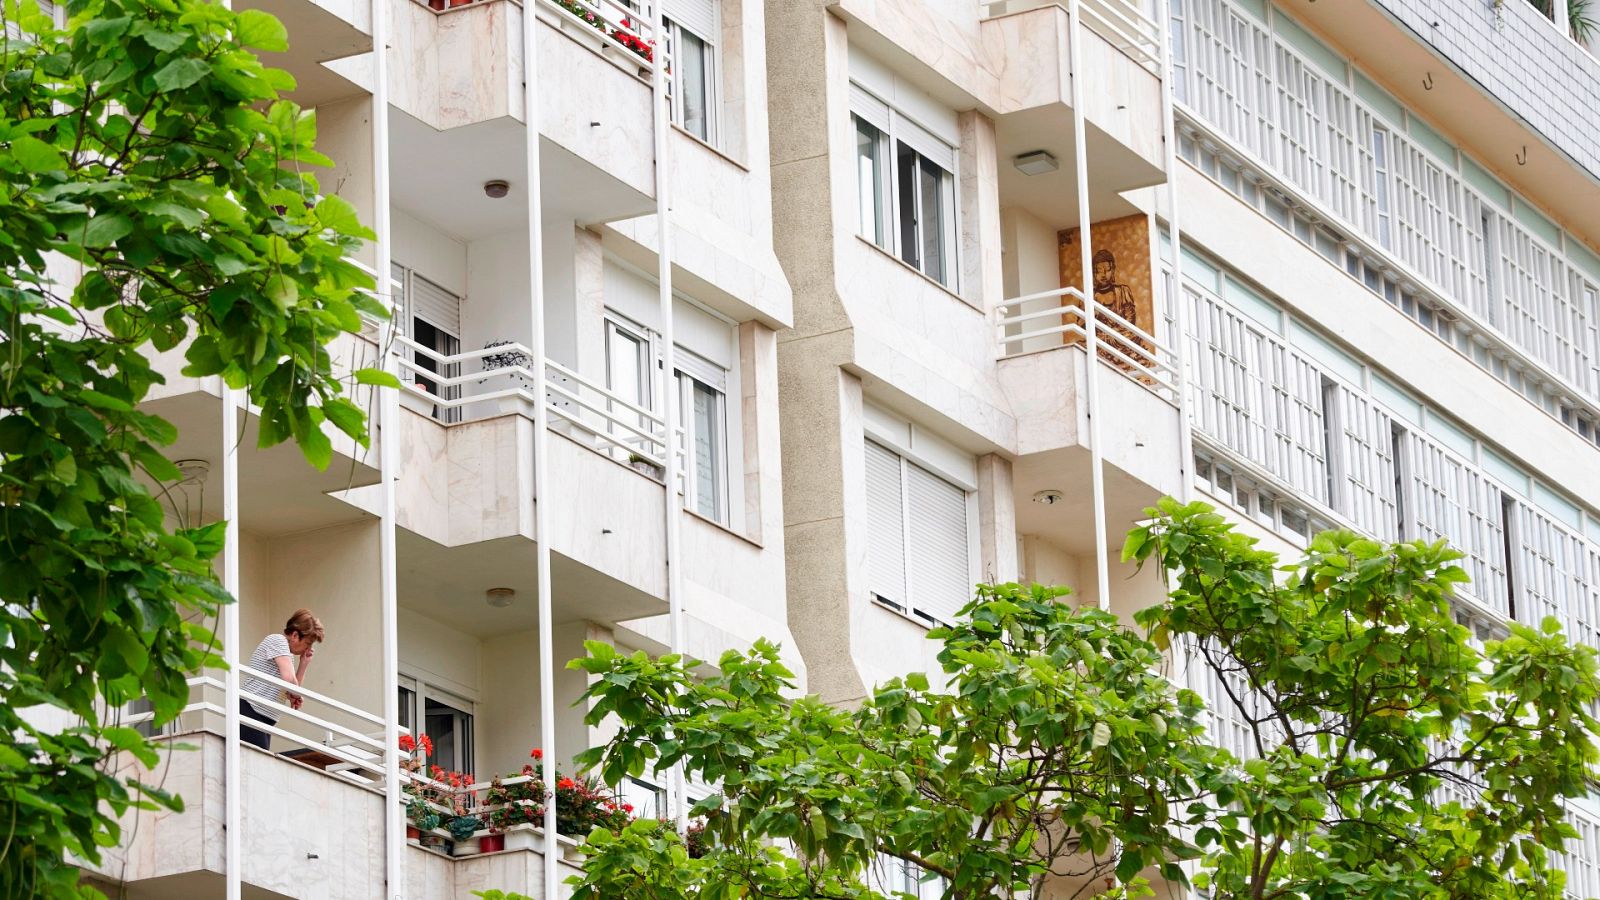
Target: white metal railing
[(1051, 319), (614, 424), (1125, 24), (352, 736)]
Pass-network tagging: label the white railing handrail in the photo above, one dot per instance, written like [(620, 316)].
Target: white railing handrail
[(309, 694), (1121, 340), (1123, 23), (613, 398)]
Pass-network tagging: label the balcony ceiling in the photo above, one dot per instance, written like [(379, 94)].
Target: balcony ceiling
[(1067, 522), (279, 492), (438, 177), (449, 584), (1053, 196)]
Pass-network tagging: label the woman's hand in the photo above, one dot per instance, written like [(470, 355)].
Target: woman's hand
[(295, 700)]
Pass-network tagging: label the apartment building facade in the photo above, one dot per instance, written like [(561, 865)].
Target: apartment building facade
[(799, 318)]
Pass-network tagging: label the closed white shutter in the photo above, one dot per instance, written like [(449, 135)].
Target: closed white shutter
[(925, 142), (940, 563), (886, 537), (698, 16), (436, 306)]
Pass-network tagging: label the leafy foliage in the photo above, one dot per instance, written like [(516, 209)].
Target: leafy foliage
[(1057, 737), (1060, 758), (1392, 757), (144, 149)]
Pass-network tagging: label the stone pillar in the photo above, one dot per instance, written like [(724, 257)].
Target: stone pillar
[(997, 520)]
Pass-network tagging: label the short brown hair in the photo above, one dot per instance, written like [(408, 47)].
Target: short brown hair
[(304, 624)]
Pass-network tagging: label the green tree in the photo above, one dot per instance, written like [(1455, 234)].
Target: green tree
[(145, 145), (1392, 757), (1060, 754)]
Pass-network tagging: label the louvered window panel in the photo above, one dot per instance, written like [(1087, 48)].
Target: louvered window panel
[(1315, 136), (1549, 570), (886, 533), (939, 557), (1448, 499)]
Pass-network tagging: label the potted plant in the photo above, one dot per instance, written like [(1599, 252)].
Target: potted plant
[(644, 466), (420, 816), (463, 830)]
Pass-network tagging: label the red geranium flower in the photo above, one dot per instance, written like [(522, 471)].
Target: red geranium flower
[(407, 743), (537, 753)]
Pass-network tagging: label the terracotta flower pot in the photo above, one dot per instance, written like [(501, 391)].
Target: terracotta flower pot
[(491, 843), (413, 833)]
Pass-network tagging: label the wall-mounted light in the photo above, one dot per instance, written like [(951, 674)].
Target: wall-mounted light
[(496, 189), (1038, 162), (1048, 498), (194, 471), (499, 598)]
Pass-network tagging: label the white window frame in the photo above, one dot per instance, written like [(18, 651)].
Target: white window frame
[(619, 327), (897, 129), (692, 370), (408, 278), (465, 750), (713, 78)]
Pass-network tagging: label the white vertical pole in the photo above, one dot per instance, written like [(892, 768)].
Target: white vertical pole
[(1179, 339), (232, 782), (232, 786), (1080, 154), (668, 407), (1561, 17), (388, 465), (541, 442)]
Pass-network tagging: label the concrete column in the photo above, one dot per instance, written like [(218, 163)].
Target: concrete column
[(823, 476), (982, 280), (997, 520), (762, 515), (588, 281)]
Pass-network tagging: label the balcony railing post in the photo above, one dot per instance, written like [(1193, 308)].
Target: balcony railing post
[(1080, 153), (1179, 340), (233, 778), (394, 831), (541, 445), (668, 408)]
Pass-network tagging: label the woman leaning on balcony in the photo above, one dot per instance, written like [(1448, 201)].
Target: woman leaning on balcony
[(285, 655)]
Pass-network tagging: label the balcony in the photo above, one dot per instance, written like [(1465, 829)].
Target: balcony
[(278, 490), (307, 832), (1044, 367), (320, 31)]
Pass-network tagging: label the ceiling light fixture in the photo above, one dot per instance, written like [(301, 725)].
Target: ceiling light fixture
[(499, 598), (1038, 162), (1048, 498), (194, 471), (496, 189)]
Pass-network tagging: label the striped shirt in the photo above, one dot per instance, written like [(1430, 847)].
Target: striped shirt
[(265, 660)]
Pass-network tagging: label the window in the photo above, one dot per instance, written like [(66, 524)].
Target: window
[(446, 719), (702, 414), (906, 183), (919, 553), (629, 352), (431, 318), (1380, 180), (649, 801), (691, 46), (872, 182), (899, 878)]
